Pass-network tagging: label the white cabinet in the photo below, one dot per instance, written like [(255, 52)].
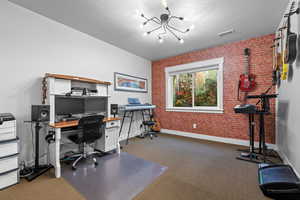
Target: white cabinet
[(102, 90), (109, 139), (58, 86), (62, 86)]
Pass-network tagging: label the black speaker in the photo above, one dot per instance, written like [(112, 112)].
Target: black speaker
[(40, 113), (114, 109)]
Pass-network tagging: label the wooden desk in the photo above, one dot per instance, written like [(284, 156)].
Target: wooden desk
[(75, 123), (54, 148)]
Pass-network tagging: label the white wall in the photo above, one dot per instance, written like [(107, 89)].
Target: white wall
[(288, 121), (31, 45)]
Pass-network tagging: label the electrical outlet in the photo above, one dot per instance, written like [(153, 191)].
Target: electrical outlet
[(194, 125)]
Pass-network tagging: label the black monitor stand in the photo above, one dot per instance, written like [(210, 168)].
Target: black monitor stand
[(37, 169)]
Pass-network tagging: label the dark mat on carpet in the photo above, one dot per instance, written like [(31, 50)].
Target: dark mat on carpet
[(116, 177)]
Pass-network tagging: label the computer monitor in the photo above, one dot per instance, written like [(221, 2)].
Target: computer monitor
[(66, 106), (95, 105)]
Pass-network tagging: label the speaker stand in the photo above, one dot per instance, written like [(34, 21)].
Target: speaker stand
[(37, 169)]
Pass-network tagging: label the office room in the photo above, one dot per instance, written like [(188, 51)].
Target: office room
[(144, 100)]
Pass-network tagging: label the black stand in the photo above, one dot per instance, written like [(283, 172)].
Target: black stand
[(131, 120), (258, 155), (37, 169)]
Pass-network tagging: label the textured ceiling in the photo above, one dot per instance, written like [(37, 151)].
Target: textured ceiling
[(117, 22)]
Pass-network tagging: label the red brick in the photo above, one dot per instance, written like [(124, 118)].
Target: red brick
[(228, 124)]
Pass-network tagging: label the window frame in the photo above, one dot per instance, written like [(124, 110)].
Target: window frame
[(212, 64)]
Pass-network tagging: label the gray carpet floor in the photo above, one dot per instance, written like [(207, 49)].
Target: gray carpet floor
[(197, 170)]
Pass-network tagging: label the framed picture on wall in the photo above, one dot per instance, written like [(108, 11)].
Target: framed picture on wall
[(125, 82)]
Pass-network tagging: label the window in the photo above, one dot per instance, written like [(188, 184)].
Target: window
[(195, 87)]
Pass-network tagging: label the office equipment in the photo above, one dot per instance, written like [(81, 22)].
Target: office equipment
[(91, 131), (68, 106), (55, 147), (57, 92), (9, 166), (134, 106), (40, 113), (279, 182)]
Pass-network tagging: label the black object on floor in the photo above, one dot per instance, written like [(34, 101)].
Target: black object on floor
[(279, 182), (118, 176), (38, 169)]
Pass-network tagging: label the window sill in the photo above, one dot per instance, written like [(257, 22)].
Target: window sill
[(197, 110)]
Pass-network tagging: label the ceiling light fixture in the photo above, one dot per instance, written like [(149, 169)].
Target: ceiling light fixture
[(164, 25), (226, 32)]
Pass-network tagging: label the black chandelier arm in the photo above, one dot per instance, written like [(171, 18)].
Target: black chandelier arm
[(175, 17), (163, 33), (178, 38), (154, 30), (167, 8), (158, 20), (151, 19), (187, 30)]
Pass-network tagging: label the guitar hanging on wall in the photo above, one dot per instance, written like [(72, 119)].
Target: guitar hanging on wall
[(290, 52), (247, 81), (276, 62)]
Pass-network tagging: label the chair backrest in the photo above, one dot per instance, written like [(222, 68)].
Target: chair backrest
[(91, 128)]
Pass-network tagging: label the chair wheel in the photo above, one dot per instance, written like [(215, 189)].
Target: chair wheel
[(73, 168), (95, 161)]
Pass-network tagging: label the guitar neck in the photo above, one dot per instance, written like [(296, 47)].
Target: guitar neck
[(246, 64)]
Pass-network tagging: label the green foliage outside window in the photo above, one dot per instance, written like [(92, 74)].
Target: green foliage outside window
[(205, 89), (182, 90)]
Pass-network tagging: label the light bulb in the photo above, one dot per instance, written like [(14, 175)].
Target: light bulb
[(161, 40), (181, 41), (142, 25), (145, 34), (164, 3), (192, 27)]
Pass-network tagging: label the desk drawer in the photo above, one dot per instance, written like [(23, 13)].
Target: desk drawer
[(8, 124), (8, 163), (8, 133), (9, 179), (113, 124), (8, 148)]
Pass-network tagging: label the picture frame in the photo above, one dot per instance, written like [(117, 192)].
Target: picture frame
[(125, 82)]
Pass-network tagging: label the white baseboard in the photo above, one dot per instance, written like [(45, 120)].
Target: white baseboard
[(214, 138), (287, 161)]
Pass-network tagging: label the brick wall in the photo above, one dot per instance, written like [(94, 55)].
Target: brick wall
[(228, 124)]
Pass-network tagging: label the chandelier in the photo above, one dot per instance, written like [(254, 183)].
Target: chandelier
[(164, 26)]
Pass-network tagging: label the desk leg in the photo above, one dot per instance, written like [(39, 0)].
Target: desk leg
[(128, 134), (55, 153)]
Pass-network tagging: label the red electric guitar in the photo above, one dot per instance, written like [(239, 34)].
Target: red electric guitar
[(247, 81)]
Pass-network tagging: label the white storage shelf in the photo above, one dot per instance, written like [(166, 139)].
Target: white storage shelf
[(8, 163), (8, 130), (9, 179), (8, 149), (9, 173)]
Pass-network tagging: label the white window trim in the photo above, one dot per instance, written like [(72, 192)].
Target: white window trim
[(193, 67)]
